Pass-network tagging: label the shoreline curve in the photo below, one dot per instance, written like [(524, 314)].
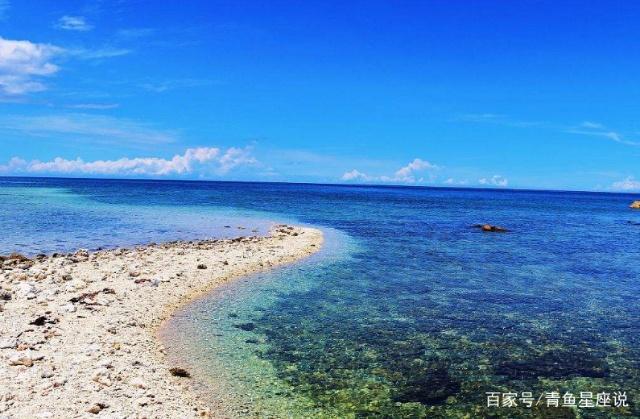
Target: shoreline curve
[(79, 331)]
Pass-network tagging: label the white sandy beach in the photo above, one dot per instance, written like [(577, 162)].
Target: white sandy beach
[(78, 331)]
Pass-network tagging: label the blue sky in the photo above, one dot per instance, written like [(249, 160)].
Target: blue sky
[(527, 94)]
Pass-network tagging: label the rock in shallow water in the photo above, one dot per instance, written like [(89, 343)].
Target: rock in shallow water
[(247, 327), (491, 228)]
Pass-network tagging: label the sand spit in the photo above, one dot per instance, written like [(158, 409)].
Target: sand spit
[(78, 331)]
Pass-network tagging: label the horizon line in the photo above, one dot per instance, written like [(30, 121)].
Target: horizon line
[(386, 185)]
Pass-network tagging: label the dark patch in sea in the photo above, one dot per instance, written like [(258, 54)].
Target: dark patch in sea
[(557, 364), (245, 326)]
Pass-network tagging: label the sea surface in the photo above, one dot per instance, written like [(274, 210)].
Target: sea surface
[(407, 311)]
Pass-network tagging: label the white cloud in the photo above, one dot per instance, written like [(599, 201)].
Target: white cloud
[(98, 54), (406, 174), (590, 128), (597, 129), (170, 84), (73, 23), (452, 181), (22, 63), (628, 184), (355, 175), (591, 125), (87, 127), (495, 180), (202, 158), (94, 106)]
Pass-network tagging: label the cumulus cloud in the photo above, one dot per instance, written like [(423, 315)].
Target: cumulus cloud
[(495, 180), (201, 158), (73, 23), (91, 128), (628, 184), (355, 175), (406, 174), (23, 64)]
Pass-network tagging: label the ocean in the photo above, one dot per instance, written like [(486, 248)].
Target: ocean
[(408, 311)]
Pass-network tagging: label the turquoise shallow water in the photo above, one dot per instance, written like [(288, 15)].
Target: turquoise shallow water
[(408, 311)]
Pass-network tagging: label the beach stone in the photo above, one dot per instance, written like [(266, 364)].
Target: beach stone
[(46, 372), (97, 408), (102, 376), (60, 381), (139, 383), (105, 363), (635, 205), (18, 257), (77, 284), (26, 290), (8, 343), (179, 372), (21, 359), (21, 276), (69, 308), (202, 266)]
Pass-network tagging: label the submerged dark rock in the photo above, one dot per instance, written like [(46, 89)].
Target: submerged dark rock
[(429, 385), (556, 364), (245, 326)]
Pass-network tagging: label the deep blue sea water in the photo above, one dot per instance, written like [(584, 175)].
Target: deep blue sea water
[(408, 311)]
